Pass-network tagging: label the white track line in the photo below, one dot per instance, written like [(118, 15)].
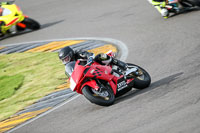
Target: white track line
[(43, 114), (119, 44)]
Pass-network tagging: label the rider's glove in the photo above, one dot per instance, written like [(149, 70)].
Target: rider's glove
[(90, 59)]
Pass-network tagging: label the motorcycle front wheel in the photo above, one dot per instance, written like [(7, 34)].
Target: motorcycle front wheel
[(105, 97), (142, 80), (31, 24)]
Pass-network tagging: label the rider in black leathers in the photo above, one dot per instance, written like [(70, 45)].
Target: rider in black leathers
[(67, 55)]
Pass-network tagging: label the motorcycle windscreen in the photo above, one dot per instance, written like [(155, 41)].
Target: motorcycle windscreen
[(76, 76), (69, 68), (172, 1), (6, 12)]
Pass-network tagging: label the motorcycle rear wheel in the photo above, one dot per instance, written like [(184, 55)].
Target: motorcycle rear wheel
[(193, 2), (97, 99), (143, 80)]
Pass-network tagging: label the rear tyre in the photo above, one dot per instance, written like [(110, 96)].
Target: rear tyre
[(31, 24), (193, 2), (197, 3), (103, 98), (143, 80)]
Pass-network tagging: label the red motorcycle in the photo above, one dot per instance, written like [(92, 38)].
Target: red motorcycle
[(101, 84)]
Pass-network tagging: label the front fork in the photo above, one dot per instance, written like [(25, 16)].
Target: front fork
[(102, 89)]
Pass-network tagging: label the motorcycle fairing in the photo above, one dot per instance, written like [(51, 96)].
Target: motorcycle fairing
[(104, 73), (12, 22), (86, 75), (100, 72), (91, 83), (11, 18), (121, 84), (82, 73), (76, 76), (72, 84), (113, 86)]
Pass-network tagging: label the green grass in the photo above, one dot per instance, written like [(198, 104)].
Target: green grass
[(27, 77), (10, 84)]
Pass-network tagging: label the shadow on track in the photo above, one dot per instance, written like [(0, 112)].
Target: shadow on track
[(43, 26), (50, 24), (154, 85)]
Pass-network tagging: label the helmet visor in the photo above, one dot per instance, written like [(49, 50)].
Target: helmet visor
[(66, 60)]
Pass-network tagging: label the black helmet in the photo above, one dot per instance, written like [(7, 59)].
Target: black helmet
[(66, 54)]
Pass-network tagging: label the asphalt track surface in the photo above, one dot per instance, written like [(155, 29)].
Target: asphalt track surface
[(167, 49)]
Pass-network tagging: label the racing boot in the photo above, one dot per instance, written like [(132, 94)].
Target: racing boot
[(120, 64), (165, 13), (124, 67), (160, 6)]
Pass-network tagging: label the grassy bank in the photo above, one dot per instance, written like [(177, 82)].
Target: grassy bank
[(26, 77)]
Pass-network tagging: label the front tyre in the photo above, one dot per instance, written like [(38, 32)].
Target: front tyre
[(31, 24), (104, 98), (142, 80)]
